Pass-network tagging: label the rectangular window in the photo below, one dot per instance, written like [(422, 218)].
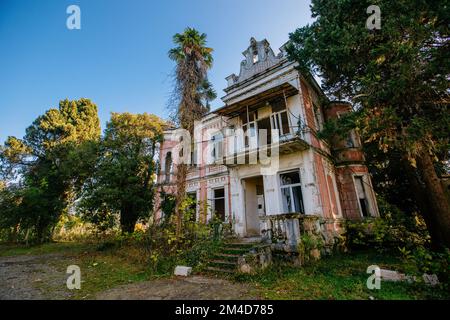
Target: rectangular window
[(250, 138), (219, 203), (194, 161), (280, 122), (291, 192), (264, 124), (193, 206), (362, 196), (217, 147), (351, 140), (318, 119), (250, 129)]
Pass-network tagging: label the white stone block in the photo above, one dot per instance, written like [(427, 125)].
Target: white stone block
[(390, 275), (430, 279), (182, 271)]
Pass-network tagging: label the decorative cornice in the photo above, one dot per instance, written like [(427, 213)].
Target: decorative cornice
[(259, 56)]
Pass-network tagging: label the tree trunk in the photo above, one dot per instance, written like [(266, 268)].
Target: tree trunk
[(439, 209), (421, 200), (128, 219), (181, 192)]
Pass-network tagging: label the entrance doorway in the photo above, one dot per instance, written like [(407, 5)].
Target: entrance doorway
[(254, 205)]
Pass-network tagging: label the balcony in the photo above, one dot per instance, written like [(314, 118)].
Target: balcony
[(257, 153)]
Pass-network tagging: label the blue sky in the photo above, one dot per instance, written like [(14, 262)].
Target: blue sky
[(119, 57)]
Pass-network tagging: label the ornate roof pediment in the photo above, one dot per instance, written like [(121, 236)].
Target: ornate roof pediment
[(259, 56)]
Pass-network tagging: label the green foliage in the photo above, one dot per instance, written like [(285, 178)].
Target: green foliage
[(397, 80), (191, 95), (339, 277), (390, 231), (71, 227), (47, 169), (193, 91), (192, 246), (419, 260), (122, 184), (311, 241), (167, 204)]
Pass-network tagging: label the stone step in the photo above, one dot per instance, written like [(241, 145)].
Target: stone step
[(226, 256), (223, 263), (234, 251), (219, 270), (242, 243)]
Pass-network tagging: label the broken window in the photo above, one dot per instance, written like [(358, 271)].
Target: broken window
[(219, 203), (217, 147), (362, 196), (351, 140), (250, 129), (318, 118), (193, 205), (169, 167), (194, 155), (291, 192), (279, 118), (264, 131)]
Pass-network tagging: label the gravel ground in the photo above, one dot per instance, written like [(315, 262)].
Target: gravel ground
[(32, 278), (36, 277)]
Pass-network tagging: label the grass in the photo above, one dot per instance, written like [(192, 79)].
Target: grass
[(102, 267), (340, 277), (46, 248)]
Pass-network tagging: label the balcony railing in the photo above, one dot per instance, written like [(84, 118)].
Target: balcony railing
[(287, 144)]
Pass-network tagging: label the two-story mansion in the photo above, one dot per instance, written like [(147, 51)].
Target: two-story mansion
[(259, 156)]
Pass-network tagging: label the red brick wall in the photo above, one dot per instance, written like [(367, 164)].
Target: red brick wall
[(347, 191), (309, 112)]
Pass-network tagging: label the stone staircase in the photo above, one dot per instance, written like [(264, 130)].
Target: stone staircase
[(225, 261)]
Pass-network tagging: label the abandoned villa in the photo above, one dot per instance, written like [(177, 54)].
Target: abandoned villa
[(258, 164)]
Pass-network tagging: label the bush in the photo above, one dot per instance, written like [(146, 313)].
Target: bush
[(393, 229), (421, 260), (165, 249)]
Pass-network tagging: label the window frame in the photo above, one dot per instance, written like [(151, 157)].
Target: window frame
[(213, 207), (217, 147), (291, 192), (370, 212), (276, 119)]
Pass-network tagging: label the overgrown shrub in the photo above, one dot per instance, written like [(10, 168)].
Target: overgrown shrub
[(165, 249), (420, 260), (393, 229), (402, 234)]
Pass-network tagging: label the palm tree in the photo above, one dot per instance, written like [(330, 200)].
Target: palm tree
[(193, 59), (206, 94)]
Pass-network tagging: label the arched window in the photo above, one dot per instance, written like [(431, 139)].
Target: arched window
[(169, 166)]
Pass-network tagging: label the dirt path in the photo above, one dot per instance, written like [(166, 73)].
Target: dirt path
[(35, 277), (32, 277), (190, 288)]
